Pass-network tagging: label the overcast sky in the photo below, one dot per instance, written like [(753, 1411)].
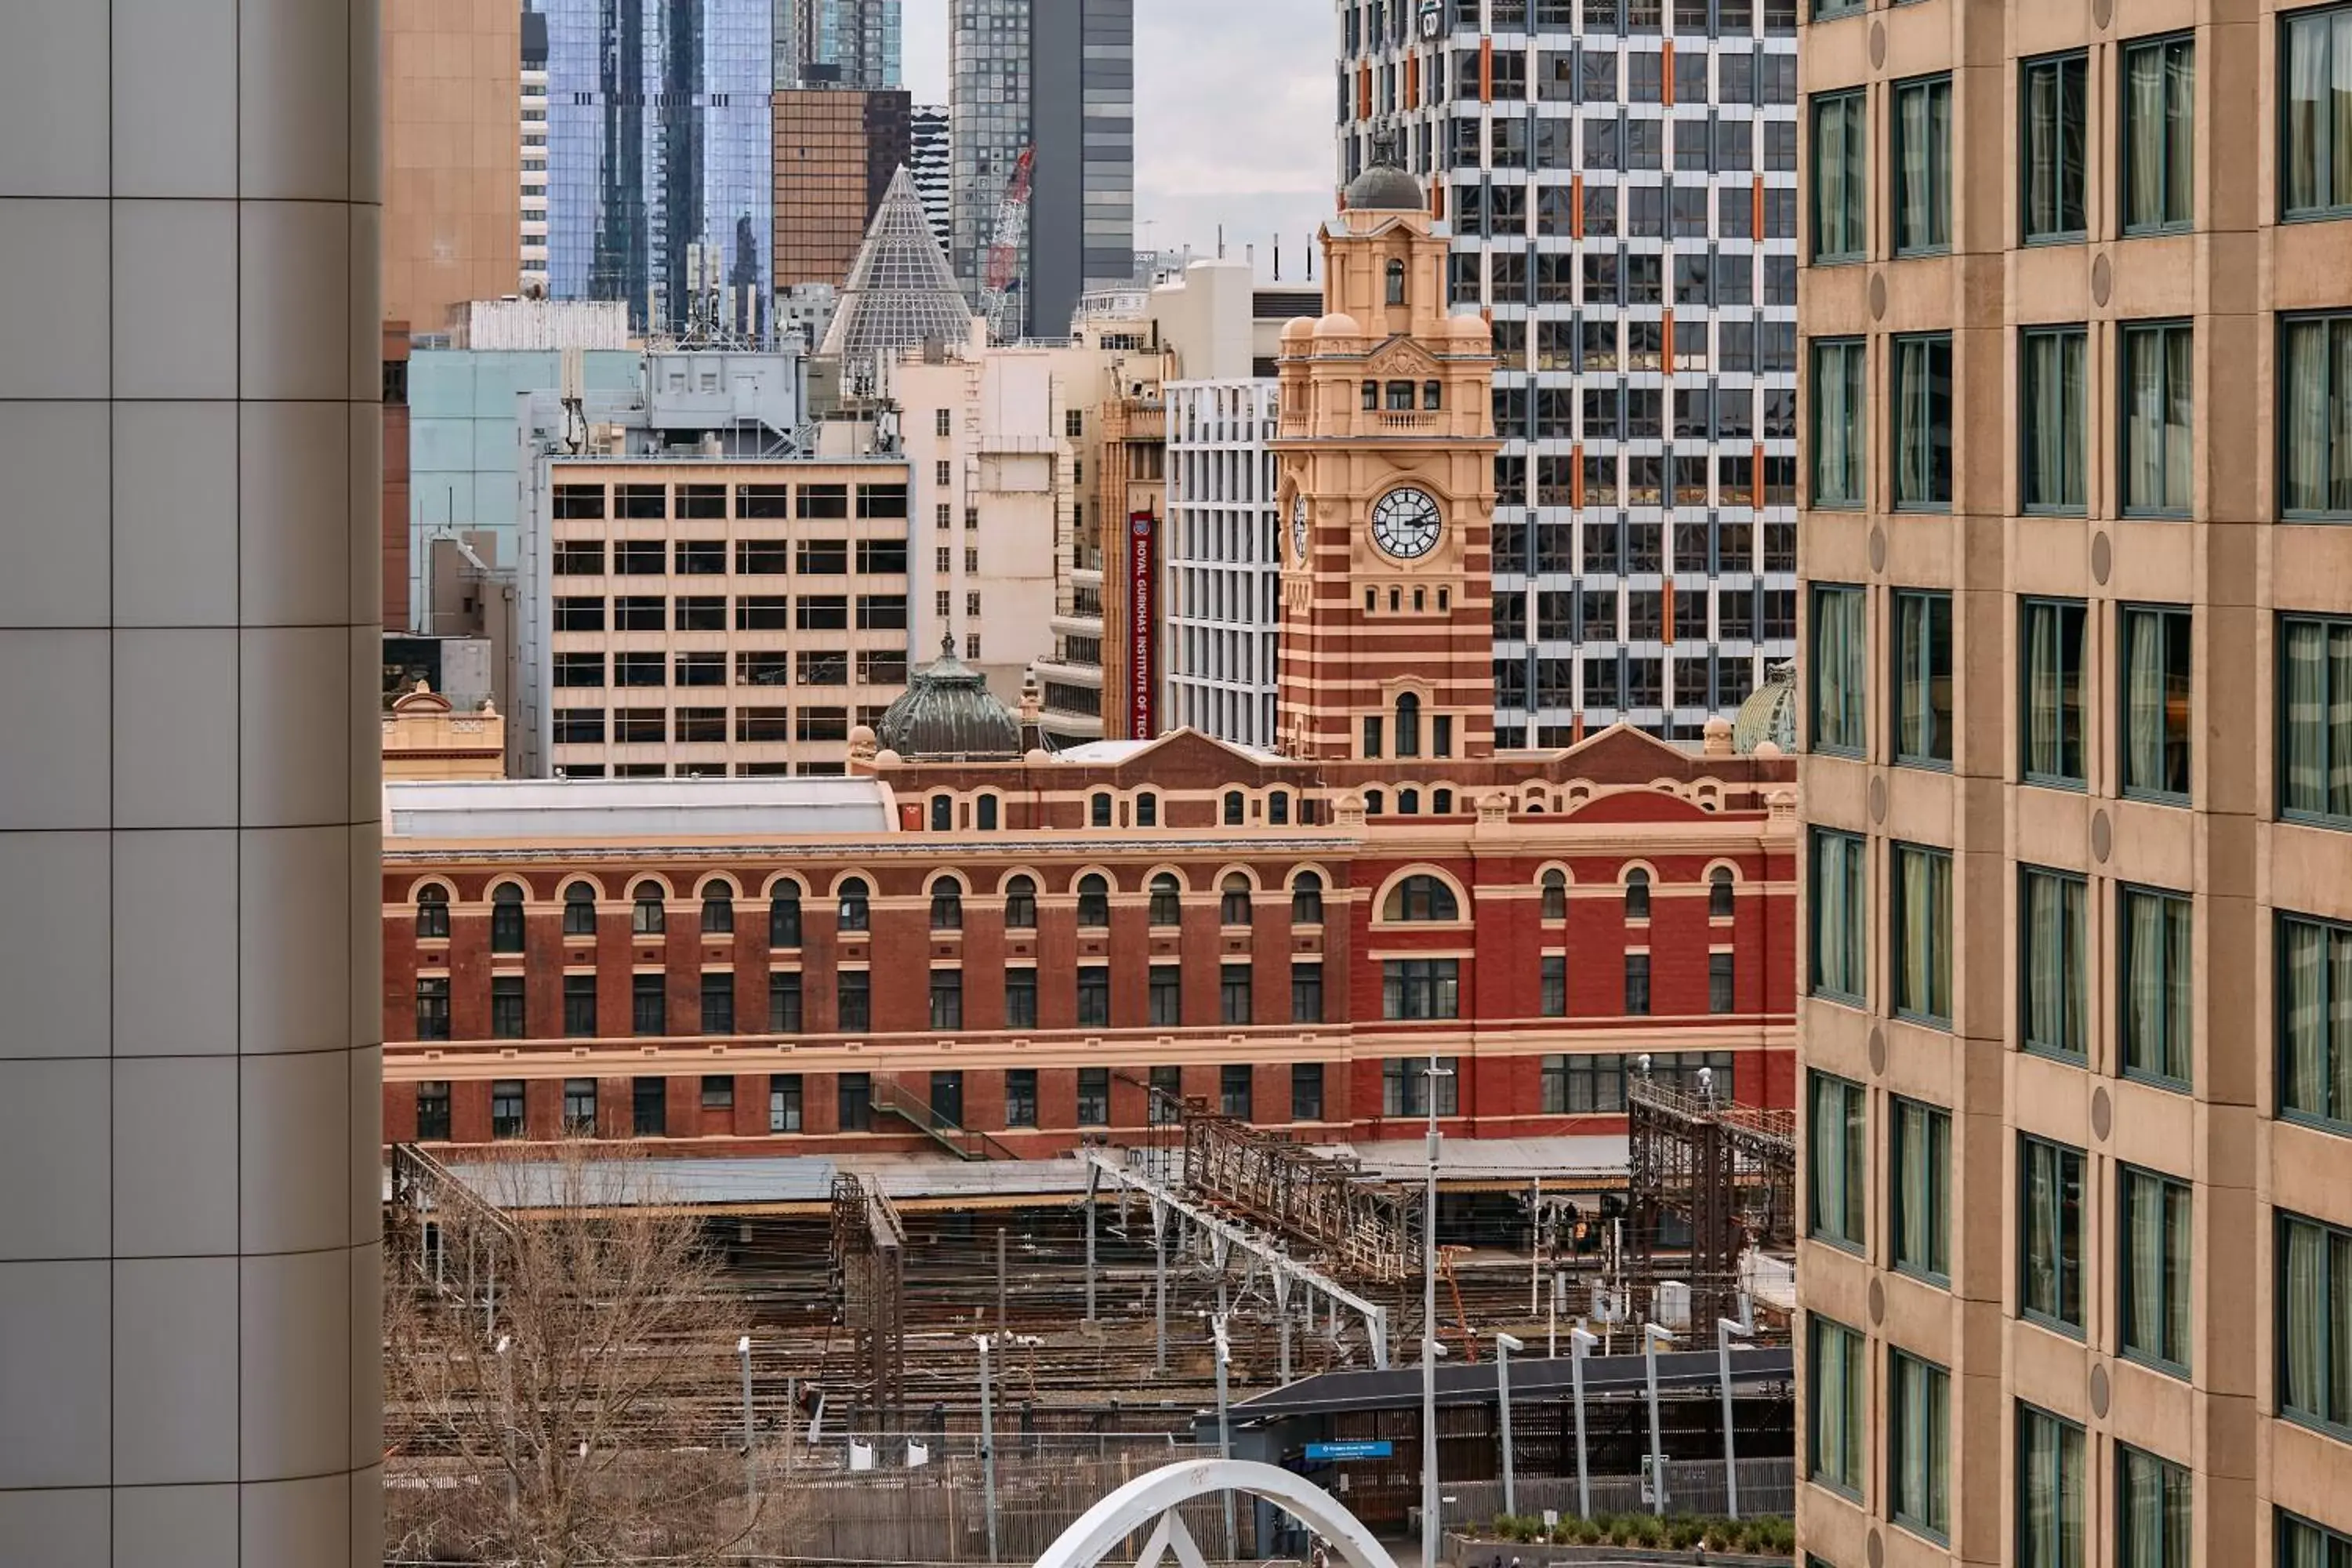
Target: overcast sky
[(1232, 119)]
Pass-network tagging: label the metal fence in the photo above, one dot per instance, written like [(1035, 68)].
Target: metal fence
[(1693, 1487)]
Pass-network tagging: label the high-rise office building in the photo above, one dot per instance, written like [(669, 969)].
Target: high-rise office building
[(929, 162), (452, 186), (838, 43), (2077, 706), (838, 150), (660, 159), (1619, 178), (534, 152), (1058, 77)]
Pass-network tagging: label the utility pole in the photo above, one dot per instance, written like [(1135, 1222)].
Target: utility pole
[(1429, 1504), (1224, 1432), (750, 1448), (987, 1446)]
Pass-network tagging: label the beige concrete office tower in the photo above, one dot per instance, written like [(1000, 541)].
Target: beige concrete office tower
[(2077, 701), (188, 785)]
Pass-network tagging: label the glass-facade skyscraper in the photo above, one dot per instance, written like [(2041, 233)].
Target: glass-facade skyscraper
[(1619, 180), (660, 160), (838, 43), (1057, 75)]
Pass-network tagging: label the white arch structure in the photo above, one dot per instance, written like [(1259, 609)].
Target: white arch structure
[(1157, 1496)]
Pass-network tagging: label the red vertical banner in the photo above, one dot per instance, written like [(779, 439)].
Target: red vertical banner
[(1142, 617)]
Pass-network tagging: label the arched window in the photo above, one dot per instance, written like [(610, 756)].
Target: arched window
[(942, 813), (985, 812), (947, 904), (1094, 902), (579, 910), (1442, 802), (1408, 726), (718, 909), (1020, 904), (1718, 892), (1233, 901), (1637, 894), (506, 918), (1421, 898), (1555, 894), (856, 913), (1278, 808), (784, 916), (645, 909), (1147, 810), (1375, 803), (1408, 803), (1396, 282), (1098, 810), (1306, 899), (1167, 900), (433, 911), (1234, 808)]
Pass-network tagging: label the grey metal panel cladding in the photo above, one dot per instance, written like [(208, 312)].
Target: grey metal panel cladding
[(1057, 77)]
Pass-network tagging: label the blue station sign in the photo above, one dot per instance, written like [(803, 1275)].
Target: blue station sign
[(1379, 1448)]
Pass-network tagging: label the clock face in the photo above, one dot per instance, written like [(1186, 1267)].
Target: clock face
[(1299, 527), (1405, 523)]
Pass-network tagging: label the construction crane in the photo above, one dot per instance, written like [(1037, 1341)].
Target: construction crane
[(1004, 245)]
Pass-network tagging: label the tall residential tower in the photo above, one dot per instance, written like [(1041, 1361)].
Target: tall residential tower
[(1618, 178), (2077, 706)]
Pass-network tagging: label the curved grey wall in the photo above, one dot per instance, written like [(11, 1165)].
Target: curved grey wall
[(189, 1057)]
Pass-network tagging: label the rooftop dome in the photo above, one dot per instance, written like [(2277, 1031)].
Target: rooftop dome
[(1339, 325), (1384, 186), (1298, 328), (947, 713), (1769, 714)]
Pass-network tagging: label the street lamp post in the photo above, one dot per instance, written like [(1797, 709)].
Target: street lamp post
[(1579, 1346), (987, 1446), (1429, 1503), (1225, 1431), (1504, 1346), (1652, 1336), (750, 1451), (1726, 1331)]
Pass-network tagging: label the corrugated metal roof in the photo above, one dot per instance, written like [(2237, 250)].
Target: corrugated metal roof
[(522, 809)]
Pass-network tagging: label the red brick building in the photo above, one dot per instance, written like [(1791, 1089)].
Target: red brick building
[(1019, 948)]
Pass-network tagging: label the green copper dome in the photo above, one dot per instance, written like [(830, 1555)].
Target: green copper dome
[(1768, 714), (946, 713)]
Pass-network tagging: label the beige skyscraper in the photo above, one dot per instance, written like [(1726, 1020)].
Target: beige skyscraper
[(2077, 706), (452, 164)]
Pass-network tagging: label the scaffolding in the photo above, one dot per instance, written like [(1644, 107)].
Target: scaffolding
[(870, 1274), (1723, 1174)]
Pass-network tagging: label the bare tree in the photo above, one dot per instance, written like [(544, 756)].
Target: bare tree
[(563, 1396)]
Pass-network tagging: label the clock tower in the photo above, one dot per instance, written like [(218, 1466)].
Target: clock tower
[(1387, 495)]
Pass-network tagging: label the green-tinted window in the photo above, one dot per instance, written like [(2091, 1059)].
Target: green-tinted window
[(2055, 425), (2315, 1022), (1923, 165), (2314, 698), (2155, 964), (1919, 1445), (2154, 746), (2159, 92), (1923, 678), (2050, 1232), (2153, 1267), (1920, 1201), (2053, 95), (1841, 177), (2055, 988), (1835, 1385), (2152, 1504), (1838, 1172), (1841, 422), (1841, 651), (2050, 633), (2158, 394), (2315, 75), (2314, 398), (1923, 423), (1921, 952), (2314, 1322), (1840, 911), (2050, 1490)]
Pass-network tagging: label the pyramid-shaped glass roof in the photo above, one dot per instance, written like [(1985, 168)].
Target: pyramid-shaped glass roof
[(901, 288)]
